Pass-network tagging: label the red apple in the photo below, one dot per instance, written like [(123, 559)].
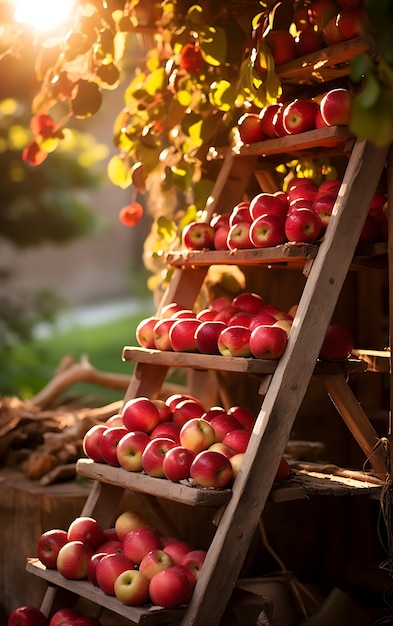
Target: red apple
[(177, 463), (220, 303), (92, 566), (153, 562), (306, 192), (128, 521), (237, 440), (336, 107), (182, 335), (153, 456), (244, 416), (212, 412), (267, 231), (321, 11), (109, 442), (248, 301), (130, 449), (166, 429), (198, 236), (140, 414), (337, 343), (278, 121), (187, 409), (194, 560), (268, 203), (323, 207), (169, 309), (86, 529), (262, 318), (161, 333), (114, 420), (250, 128), (330, 33), (137, 543), (111, 546), (170, 588), (196, 435), (221, 447), (109, 568), (371, 230), (267, 115), (226, 314), (27, 616), (164, 412), (319, 121), (184, 314), (240, 319), (91, 442), (234, 341), (352, 22), (85, 620), (240, 213), (236, 462), (300, 181), (281, 44), (303, 226), (268, 342), (211, 469), (206, 336), (64, 615), (223, 424), (307, 41), (73, 559), (206, 315), (239, 236), (283, 471), (131, 588), (220, 220), (145, 332), (221, 238), (299, 116), (177, 550), (330, 186), (49, 544)]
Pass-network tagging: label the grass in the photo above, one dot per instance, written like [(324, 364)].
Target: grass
[(31, 366)]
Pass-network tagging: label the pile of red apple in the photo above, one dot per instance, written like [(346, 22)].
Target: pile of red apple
[(301, 214), (244, 326), (130, 561), (31, 616)]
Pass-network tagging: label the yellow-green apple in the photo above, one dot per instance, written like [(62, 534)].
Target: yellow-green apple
[(239, 236), (236, 462), (307, 41), (187, 409), (130, 449), (237, 440), (145, 332), (137, 543), (109, 442), (132, 588), (140, 414), (285, 325), (194, 560), (27, 616), (262, 318), (128, 521), (267, 231), (170, 588), (73, 559), (166, 429), (370, 230), (91, 442), (240, 213), (337, 343), (250, 128), (283, 471), (211, 469), (223, 424), (303, 226), (197, 434), (299, 116), (323, 207), (234, 341), (268, 203), (244, 416), (336, 107), (161, 333), (267, 115), (206, 336), (86, 529), (182, 335), (242, 318), (268, 342), (281, 44), (49, 544), (198, 236), (63, 615), (153, 456), (109, 568), (321, 11), (330, 33), (177, 463), (206, 315), (218, 446), (153, 562), (352, 22), (177, 550)]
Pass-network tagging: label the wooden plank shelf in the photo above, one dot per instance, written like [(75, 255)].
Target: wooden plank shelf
[(148, 614), (377, 360), (185, 492), (324, 65), (244, 365)]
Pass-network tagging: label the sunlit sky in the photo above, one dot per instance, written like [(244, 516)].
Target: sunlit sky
[(43, 15)]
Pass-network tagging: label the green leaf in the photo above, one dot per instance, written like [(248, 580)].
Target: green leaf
[(223, 95), (202, 191), (213, 45), (119, 172), (195, 14), (166, 229), (155, 81)]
